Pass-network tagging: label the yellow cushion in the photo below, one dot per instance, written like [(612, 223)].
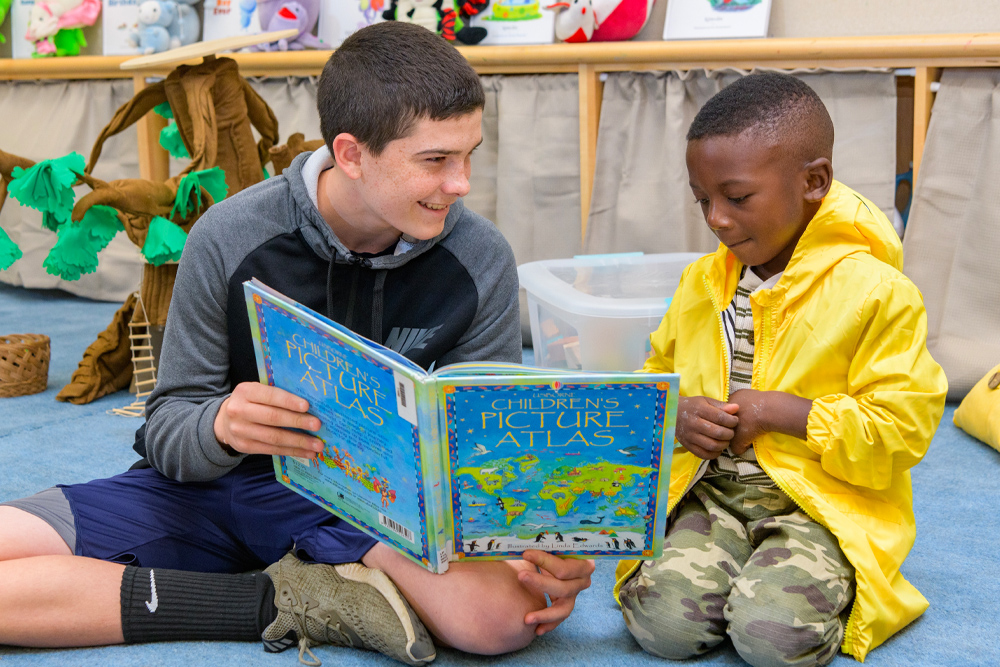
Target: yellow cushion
[(979, 413)]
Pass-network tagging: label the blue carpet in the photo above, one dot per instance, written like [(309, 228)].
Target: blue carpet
[(954, 562)]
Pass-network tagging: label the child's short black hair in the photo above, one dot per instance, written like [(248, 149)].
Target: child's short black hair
[(384, 77), (778, 107)]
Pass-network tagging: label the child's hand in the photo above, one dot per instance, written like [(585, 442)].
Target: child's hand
[(763, 412), (751, 408), (705, 426), (562, 579)]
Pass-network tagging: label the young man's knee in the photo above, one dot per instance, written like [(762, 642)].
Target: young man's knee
[(667, 624), (497, 626)]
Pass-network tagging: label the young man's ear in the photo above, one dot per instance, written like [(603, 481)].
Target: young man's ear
[(819, 178), (346, 151)]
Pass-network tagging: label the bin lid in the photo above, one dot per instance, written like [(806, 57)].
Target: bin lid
[(621, 285)]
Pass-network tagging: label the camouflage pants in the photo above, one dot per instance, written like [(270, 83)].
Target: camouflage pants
[(744, 561)]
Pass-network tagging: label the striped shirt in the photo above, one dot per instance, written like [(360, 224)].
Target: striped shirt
[(737, 323)]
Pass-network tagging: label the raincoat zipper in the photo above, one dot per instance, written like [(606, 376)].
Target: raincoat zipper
[(759, 361), (692, 478)]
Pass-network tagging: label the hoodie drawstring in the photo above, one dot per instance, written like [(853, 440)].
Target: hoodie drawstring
[(359, 263)]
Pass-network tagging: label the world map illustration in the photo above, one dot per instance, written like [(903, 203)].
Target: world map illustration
[(528, 497)]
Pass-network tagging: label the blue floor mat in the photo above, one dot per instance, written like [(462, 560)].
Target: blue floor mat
[(954, 561)]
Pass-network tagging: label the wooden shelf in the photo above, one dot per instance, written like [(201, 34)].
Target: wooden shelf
[(956, 50), (927, 54)]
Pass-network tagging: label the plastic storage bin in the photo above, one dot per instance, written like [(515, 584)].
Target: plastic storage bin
[(595, 312)]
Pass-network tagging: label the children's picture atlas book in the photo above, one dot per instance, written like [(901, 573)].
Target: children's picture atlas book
[(470, 461)]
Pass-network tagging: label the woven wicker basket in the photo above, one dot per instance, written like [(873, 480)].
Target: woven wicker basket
[(24, 364)]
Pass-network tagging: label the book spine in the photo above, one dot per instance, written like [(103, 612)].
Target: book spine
[(436, 478)]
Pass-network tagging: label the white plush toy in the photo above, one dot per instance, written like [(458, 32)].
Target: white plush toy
[(165, 24)]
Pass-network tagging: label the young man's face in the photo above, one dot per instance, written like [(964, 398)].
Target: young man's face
[(412, 184), (752, 196)]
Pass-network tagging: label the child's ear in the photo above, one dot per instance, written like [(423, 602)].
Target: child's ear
[(819, 178), (346, 151)]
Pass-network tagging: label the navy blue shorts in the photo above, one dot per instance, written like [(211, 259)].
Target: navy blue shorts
[(242, 521)]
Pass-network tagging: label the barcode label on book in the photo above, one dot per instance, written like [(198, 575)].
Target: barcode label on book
[(397, 528), (406, 404)]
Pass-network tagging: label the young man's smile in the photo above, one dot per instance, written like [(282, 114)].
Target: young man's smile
[(408, 188)]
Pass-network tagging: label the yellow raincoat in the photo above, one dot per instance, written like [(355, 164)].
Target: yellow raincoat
[(844, 328)]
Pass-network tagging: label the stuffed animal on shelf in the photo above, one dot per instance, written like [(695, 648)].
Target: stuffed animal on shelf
[(600, 20), (48, 18), (4, 10), (163, 25), (301, 15), (441, 17), (291, 16)]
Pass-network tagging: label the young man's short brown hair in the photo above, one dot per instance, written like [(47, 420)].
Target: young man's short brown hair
[(385, 77)]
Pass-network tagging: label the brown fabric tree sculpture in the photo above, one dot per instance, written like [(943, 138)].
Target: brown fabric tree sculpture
[(213, 108)]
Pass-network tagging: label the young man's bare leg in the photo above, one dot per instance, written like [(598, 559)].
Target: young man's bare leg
[(474, 607), (49, 597)]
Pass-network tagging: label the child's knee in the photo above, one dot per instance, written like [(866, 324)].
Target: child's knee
[(766, 636), (670, 621)]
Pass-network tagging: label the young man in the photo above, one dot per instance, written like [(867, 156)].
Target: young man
[(370, 229), (807, 395)]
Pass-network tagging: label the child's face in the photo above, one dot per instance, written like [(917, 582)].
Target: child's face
[(755, 197), (412, 184)]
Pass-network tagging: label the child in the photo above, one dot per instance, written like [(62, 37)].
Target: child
[(807, 393), (371, 230)]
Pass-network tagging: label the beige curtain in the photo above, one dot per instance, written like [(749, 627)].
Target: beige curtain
[(526, 173), (641, 196), (44, 120), (952, 242)]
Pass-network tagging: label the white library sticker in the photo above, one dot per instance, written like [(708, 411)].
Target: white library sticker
[(406, 402)]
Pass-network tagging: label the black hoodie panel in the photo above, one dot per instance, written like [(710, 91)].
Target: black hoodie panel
[(428, 303)]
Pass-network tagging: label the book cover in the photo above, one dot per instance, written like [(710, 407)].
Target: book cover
[(230, 18), (120, 19), (715, 19), (20, 10), (516, 22), (472, 461)]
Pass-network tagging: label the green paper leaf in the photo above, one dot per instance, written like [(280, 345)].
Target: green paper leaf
[(164, 110), (101, 223), (9, 252), (266, 175), (164, 242), (48, 187), (214, 182), (74, 254), (170, 139), (53, 221)]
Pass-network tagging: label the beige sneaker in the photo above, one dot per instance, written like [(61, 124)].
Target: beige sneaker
[(343, 605)]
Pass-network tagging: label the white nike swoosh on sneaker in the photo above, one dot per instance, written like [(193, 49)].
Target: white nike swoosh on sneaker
[(151, 605)]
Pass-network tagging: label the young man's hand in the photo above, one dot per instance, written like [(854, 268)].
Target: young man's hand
[(561, 579), (763, 412), (257, 419), (705, 426)]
